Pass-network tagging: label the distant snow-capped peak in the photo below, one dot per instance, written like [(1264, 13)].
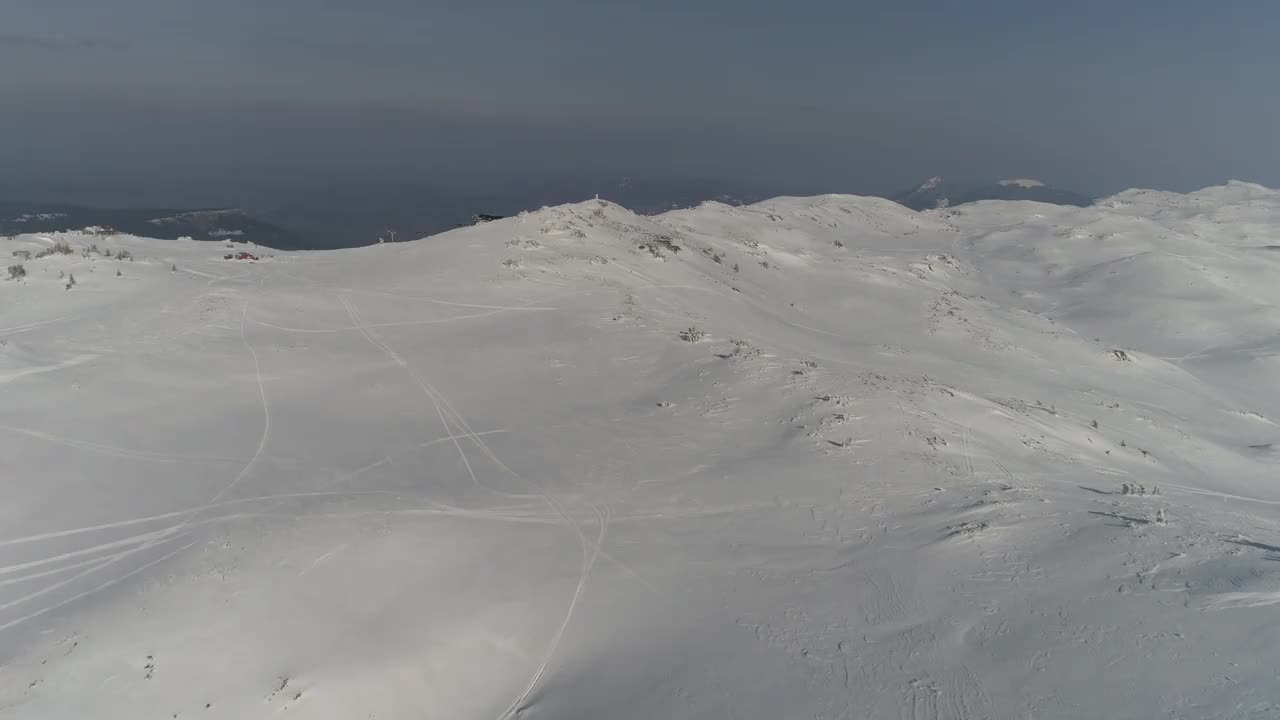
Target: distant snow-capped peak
[(1023, 183), (931, 183), (939, 193)]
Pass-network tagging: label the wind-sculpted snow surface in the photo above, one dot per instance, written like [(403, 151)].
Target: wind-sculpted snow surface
[(810, 458)]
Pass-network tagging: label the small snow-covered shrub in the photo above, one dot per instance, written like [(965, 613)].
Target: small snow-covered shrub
[(1138, 489), (692, 334), (655, 244), (124, 255), (654, 250), (805, 367), (71, 282), (60, 248), (22, 254), (17, 272)]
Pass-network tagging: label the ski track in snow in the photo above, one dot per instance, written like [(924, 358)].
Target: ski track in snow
[(354, 328), (265, 437), (116, 451), (447, 412), (30, 326), (73, 362), (97, 589), (151, 540), (448, 303), (423, 386), (589, 561)]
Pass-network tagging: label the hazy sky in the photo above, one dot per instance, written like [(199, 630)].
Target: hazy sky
[(836, 95)]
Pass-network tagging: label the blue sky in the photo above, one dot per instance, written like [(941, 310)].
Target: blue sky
[(845, 96)]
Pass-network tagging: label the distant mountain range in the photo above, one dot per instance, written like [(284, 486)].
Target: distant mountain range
[(325, 222), (937, 192), (165, 224)]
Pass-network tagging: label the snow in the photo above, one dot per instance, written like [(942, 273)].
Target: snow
[(481, 475)]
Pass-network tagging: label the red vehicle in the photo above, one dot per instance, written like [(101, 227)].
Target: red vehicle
[(246, 256)]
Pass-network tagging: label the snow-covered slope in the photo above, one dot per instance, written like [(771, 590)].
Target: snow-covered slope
[(810, 458)]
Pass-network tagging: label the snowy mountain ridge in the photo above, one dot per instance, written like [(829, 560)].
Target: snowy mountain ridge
[(938, 192), (817, 457)]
